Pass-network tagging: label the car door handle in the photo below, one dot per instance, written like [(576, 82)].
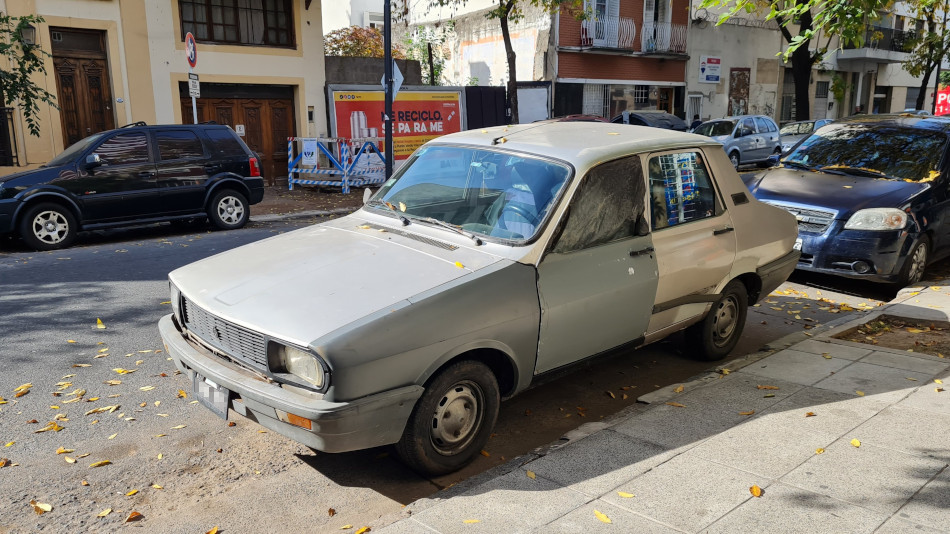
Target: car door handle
[(212, 168), (648, 250), (146, 174), (723, 230)]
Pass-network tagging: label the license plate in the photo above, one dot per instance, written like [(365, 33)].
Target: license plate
[(798, 244), (212, 396)]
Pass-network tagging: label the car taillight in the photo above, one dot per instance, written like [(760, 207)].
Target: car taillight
[(255, 167)]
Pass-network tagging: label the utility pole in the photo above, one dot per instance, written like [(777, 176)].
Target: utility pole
[(388, 85)]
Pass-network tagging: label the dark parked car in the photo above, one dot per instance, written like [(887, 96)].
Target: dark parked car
[(654, 118), (870, 194), (132, 175)]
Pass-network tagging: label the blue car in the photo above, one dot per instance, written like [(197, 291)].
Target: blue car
[(870, 194)]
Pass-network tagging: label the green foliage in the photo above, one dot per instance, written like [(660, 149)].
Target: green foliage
[(932, 45), (838, 87), (23, 62), (417, 45), (357, 42)]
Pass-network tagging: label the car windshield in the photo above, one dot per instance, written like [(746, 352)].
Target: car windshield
[(715, 128), (487, 192), (909, 154), (797, 128), (74, 149)]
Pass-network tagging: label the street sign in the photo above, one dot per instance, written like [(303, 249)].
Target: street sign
[(194, 88), (191, 50), (398, 78)]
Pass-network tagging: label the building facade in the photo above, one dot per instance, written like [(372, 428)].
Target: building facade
[(116, 62)]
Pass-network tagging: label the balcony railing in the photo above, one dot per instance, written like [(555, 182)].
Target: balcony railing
[(890, 39), (663, 37), (609, 32)]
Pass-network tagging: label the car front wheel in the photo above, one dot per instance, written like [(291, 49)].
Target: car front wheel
[(717, 334), (915, 263), (734, 158), (452, 420), (48, 226), (228, 210)]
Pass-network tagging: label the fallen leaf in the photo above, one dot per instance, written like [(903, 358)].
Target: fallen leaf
[(611, 393), (346, 527), (859, 393), (10, 444), (147, 388), (485, 453), (122, 371), (213, 530), (362, 530), (531, 475), (826, 355), (82, 365), (133, 516), (755, 490), (750, 412), (84, 483), (4, 462), (160, 455), (69, 460), (40, 507), (112, 436), (100, 463), (600, 515), (331, 512), (938, 381), (911, 379), (178, 427), (678, 405), (182, 394), (459, 265), (856, 442), (819, 450), (767, 387), (51, 426), (470, 521), (679, 389), (810, 414), (113, 382), (156, 486), (626, 495), (70, 341), (104, 513), (131, 493)]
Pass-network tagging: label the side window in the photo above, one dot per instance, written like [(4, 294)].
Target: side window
[(224, 144), (124, 149), (680, 190), (747, 123), (762, 124), (178, 144), (606, 207)]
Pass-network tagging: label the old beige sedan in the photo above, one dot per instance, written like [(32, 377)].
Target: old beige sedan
[(491, 258)]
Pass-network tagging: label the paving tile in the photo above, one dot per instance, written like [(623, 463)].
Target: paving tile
[(909, 430), (928, 398), (509, 503), (896, 525), (835, 413), (902, 361), (583, 520), (686, 492), (885, 383), (599, 462), (931, 505), (794, 366), (405, 526), (873, 477), (836, 350), (788, 509), (762, 447)]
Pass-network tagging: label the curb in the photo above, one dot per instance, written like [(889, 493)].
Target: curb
[(300, 214)]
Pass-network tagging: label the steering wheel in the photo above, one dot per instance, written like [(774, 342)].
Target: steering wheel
[(517, 210)]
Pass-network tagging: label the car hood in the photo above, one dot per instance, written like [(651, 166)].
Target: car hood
[(844, 194), (31, 176), (792, 139), (304, 284)]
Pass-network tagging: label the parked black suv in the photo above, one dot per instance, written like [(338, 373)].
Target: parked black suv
[(132, 175)]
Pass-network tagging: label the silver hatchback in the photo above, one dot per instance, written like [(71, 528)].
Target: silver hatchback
[(745, 138)]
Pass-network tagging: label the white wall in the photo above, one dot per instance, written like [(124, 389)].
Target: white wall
[(342, 14)]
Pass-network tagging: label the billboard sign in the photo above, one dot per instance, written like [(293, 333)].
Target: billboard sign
[(419, 114), (709, 69), (943, 101)]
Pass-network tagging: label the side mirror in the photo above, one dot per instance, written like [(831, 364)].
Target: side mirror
[(367, 194), (93, 161)]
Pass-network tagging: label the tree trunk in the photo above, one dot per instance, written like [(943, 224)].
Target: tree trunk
[(510, 54), (924, 86), (432, 80), (801, 72)]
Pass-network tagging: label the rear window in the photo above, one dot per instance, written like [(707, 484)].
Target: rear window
[(224, 144), (178, 144)]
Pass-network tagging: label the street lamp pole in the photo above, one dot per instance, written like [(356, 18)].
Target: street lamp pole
[(388, 85)]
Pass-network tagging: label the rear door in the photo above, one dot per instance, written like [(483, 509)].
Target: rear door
[(183, 169), (598, 281), (123, 186), (693, 235), (769, 133)]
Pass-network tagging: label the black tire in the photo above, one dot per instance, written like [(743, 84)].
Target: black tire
[(452, 420), (915, 263), (48, 226), (734, 158), (717, 334), (228, 210)]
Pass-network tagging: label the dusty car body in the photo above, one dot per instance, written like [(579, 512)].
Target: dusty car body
[(491, 258), (745, 138)]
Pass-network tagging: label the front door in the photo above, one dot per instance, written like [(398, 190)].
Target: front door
[(82, 82), (739, 91), (598, 281), (123, 186), (664, 99)]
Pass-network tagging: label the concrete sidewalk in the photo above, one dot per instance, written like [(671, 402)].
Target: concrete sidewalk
[(689, 467)]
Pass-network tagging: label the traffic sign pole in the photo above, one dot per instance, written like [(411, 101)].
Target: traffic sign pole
[(191, 54), (194, 104)]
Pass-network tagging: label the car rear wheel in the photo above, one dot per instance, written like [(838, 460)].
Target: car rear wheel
[(48, 226), (915, 263), (452, 420), (734, 158), (228, 210), (717, 334)]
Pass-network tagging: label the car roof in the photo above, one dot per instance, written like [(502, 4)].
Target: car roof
[(906, 120), (142, 126), (598, 141)]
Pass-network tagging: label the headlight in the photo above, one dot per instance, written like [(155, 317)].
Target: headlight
[(877, 219), (300, 363), (176, 301)]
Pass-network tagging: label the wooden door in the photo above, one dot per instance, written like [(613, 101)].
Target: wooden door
[(268, 122), (664, 99), (82, 82), (739, 91)]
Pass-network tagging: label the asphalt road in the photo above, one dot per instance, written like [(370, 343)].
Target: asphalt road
[(237, 477)]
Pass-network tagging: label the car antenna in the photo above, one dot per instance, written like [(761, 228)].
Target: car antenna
[(502, 138)]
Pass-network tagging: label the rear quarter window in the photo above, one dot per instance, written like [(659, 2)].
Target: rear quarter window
[(178, 144), (224, 144)]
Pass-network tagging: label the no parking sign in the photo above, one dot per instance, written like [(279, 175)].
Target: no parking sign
[(191, 50)]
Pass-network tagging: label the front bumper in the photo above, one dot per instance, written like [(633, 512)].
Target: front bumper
[(837, 251), (363, 423), (8, 208)]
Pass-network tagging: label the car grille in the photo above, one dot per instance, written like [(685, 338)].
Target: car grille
[(810, 220), (235, 341)]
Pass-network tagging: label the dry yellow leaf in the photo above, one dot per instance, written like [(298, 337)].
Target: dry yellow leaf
[(750, 412), (122, 371), (826, 355), (626, 495), (84, 483), (23, 387), (766, 387), (911, 379), (133, 516), (485, 453), (678, 405), (214, 530), (859, 393), (82, 365), (755, 490), (69, 460), (147, 388), (40, 507), (113, 435), (100, 463), (131, 493), (531, 475), (915, 331), (54, 407), (83, 455), (178, 427), (600, 515), (182, 394), (70, 341), (156, 486), (819, 450), (611, 393), (938, 381), (4, 462), (856, 442), (51, 426), (160, 455), (99, 324), (810, 414), (470, 521), (104, 513), (679, 389), (459, 265), (362, 530), (346, 527), (10, 444), (113, 382)]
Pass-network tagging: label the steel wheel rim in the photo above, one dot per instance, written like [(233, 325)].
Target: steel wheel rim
[(725, 320), (918, 262), (734, 158), (230, 210), (50, 227), (457, 418)]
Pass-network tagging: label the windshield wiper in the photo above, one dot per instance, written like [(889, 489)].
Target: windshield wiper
[(387, 205), (452, 227), (797, 165), (854, 171)]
